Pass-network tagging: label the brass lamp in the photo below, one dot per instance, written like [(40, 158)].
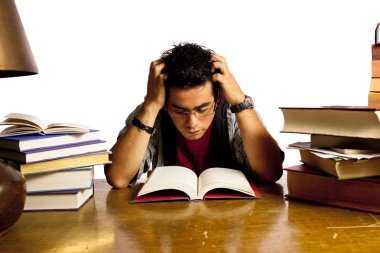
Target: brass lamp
[(16, 59)]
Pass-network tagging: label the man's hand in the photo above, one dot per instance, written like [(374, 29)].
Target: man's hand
[(155, 97), (229, 86)]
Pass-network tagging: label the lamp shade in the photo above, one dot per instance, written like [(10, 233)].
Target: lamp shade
[(16, 58)]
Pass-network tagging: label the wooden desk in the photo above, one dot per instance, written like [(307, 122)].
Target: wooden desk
[(108, 223)]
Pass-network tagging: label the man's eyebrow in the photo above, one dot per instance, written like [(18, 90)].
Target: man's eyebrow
[(195, 108)]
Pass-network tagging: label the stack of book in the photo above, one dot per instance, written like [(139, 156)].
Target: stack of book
[(341, 162), (374, 93), (57, 161)]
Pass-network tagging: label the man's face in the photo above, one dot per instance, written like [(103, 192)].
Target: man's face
[(192, 110)]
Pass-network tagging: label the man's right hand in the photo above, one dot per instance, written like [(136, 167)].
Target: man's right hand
[(155, 97)]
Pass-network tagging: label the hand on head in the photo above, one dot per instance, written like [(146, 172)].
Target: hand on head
[(228, 84), (155, 97)]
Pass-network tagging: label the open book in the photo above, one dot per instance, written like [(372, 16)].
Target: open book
[(20, 124), (180, 183)]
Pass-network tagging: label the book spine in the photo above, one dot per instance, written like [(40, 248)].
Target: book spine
[(375, 52), (375, 85), (374, 99), (374, 93), (375, 68)]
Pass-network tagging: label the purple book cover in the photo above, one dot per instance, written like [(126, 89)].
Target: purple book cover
[(77, 144), (35, 136)]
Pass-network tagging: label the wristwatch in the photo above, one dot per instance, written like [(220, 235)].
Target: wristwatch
[(247, 104), (140, 125)]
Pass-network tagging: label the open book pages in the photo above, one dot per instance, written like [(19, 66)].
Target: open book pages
[(223, 178), (18, 124), (185, 180), (172, 177)]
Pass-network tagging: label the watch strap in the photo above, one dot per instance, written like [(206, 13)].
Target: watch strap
[(246, 104), (139, 124)]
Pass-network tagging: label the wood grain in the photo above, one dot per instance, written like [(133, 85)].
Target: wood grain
[(108, 223)]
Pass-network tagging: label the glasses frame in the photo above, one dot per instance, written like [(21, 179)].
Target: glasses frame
[(186, 114)]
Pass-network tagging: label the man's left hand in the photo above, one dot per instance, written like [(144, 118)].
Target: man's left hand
[(228, 84)]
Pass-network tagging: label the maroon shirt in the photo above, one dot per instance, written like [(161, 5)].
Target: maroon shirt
[(195, 154)]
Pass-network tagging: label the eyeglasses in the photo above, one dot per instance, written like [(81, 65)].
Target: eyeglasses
[(199, 112)]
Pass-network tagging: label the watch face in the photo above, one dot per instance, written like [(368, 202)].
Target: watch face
[(247, 104)]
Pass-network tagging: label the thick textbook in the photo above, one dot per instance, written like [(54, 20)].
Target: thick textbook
[(375, 85), (349, 121), (328, 141), (58, 200), (20, 124), (33, 141), (69, 179), (374, 98), (49, 153), (62, 163), (342, 168), (308, 184), (179, 183)]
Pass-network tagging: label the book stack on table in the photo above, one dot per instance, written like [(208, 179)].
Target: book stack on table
[(374, 92), (58, 165), (340, 165)]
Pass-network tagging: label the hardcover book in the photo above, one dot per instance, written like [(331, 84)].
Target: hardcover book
[(179, 183), (58, 200), (308, 184), (376, 52), (33, 141), (69, 179), (49, 153), (375, 68), (373, 98), (342, 168), (62, 163), (375, 85), (328, 141), (349, 121)]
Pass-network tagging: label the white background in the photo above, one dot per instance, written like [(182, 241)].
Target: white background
[(93, 55)]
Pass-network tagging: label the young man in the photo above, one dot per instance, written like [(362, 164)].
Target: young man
[(194, 115)]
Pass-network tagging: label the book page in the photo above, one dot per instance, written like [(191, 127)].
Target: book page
[(23, 119), (306, 145), (19, 130), (171, 177), (213, 178), (67, 128)]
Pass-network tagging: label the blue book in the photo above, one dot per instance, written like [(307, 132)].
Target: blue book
[(54, 152), (33, 141)]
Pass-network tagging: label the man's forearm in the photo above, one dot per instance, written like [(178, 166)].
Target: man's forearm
[(262, 150), (128, 152)]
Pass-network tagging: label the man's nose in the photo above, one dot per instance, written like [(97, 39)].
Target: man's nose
[(192, 120)]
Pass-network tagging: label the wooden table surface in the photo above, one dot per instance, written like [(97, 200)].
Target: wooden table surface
[(108, 223)]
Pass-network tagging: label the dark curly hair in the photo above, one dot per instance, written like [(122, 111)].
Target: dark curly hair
[(187, 65)]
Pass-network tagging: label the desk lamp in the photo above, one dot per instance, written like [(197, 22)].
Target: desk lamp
[(16, 59)]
